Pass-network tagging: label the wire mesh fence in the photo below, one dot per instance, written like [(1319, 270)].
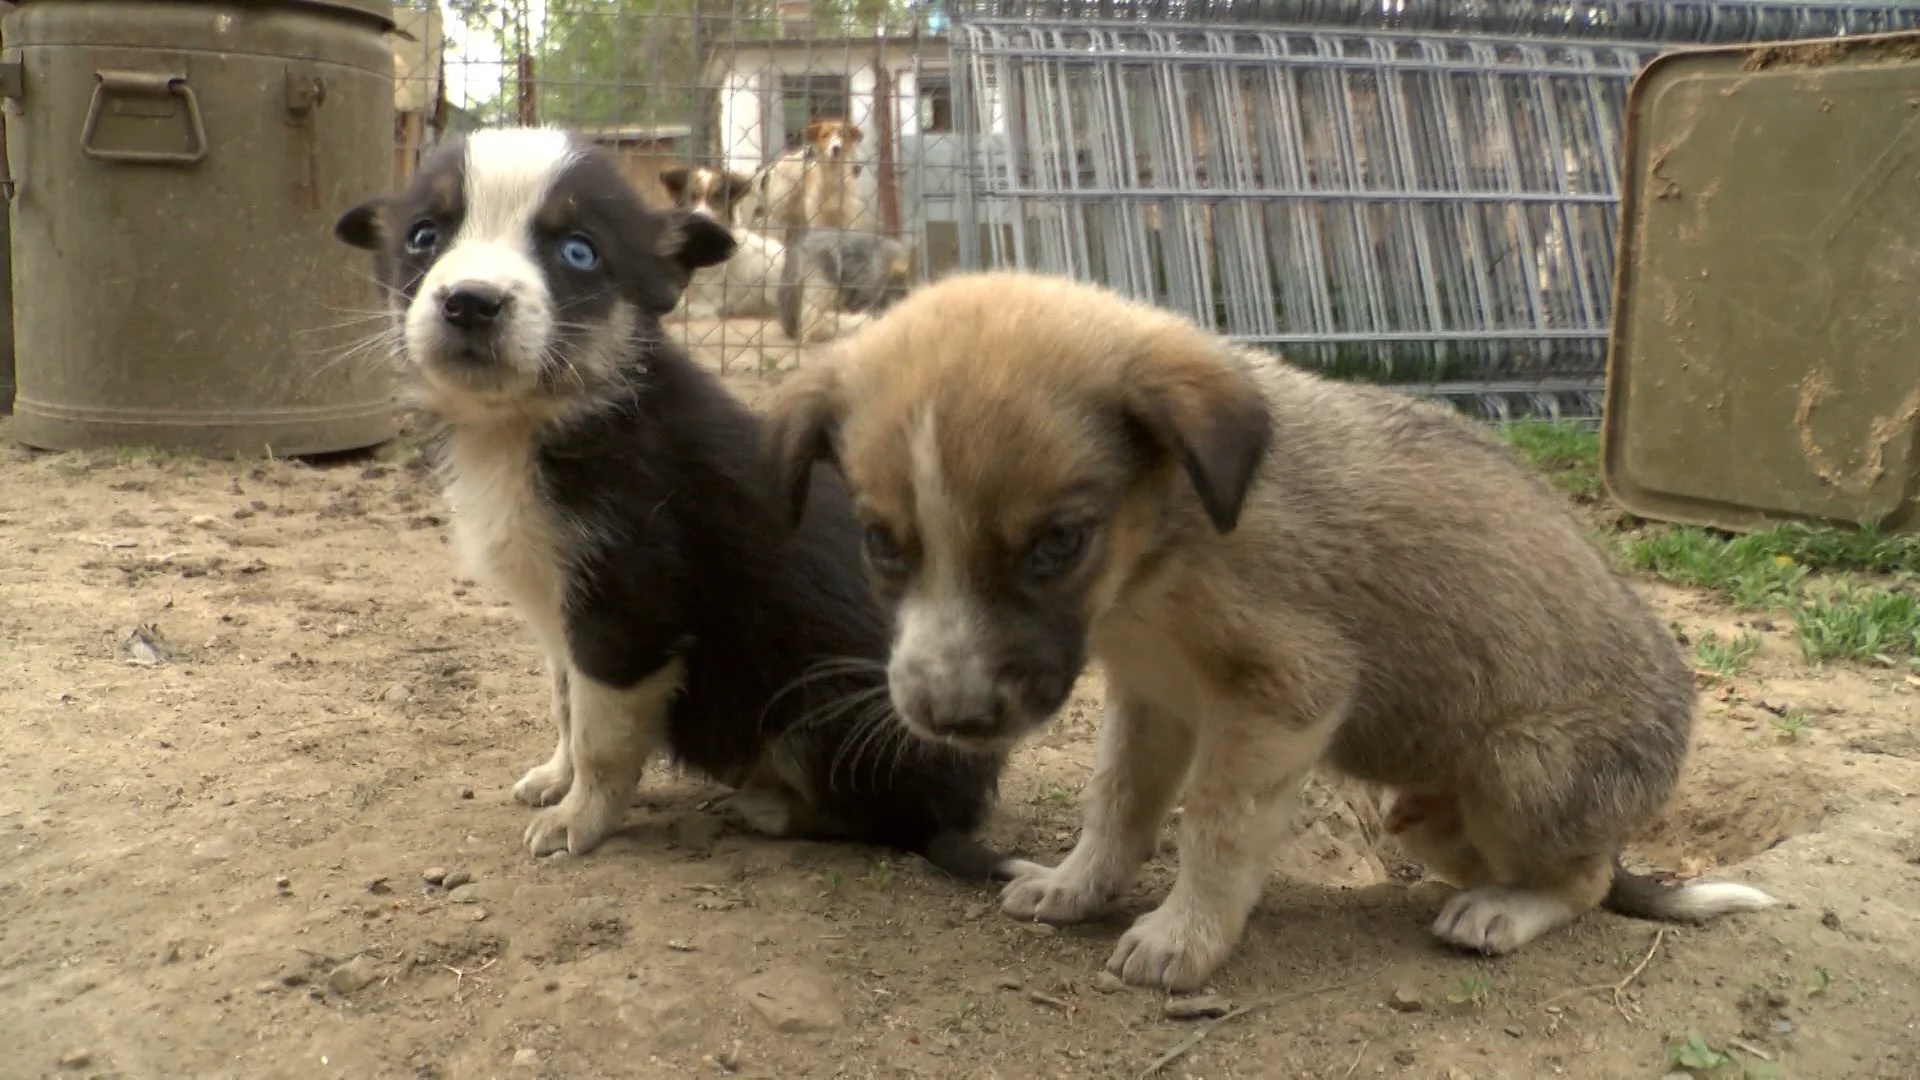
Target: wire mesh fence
[(1407, 208), (1413, 191), (821, 132)]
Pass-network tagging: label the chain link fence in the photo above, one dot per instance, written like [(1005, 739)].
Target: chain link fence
[(1419, 192)]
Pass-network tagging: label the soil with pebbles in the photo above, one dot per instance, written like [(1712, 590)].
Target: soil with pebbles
[(255, 822)]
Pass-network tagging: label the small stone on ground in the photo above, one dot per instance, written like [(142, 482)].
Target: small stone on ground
[(792, 1000)]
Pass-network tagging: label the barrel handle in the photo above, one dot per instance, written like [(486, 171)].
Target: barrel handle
[(151, 85)]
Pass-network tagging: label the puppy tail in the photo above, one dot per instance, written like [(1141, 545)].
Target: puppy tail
[(1643, 897), (964, 857)]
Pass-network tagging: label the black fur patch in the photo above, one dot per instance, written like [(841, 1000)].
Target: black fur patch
[(687, 552)]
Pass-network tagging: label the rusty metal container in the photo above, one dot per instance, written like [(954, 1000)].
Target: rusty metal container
[(6, 259), (178, 165), (6, 278), (1765, 361)]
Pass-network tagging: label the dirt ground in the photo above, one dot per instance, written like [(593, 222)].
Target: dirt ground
[(249, 705)]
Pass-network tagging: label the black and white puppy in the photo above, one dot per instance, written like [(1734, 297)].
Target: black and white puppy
[(610, 489)]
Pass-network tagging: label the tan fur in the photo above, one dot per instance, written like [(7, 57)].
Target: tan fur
[(1293, 571), (814, 185)]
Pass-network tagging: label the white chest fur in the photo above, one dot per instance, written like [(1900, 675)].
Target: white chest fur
[(506, 532)]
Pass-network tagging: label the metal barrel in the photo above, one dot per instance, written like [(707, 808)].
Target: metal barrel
[(177, 167)]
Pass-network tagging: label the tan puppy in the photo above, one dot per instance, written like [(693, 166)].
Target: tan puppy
[(812, 185), (1274, 570)]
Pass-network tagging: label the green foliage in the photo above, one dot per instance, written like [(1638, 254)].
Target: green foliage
[(644, 63), (1723, 659), (1567, 451), (1860, 623)]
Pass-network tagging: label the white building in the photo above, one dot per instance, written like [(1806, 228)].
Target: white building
[(898, 90)]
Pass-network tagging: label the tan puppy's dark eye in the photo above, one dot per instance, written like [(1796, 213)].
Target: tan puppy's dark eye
[(884, 551), (1056, 550)]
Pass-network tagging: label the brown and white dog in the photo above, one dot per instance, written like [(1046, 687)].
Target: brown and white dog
[(747, 285), (814, 185), (1275, 571)]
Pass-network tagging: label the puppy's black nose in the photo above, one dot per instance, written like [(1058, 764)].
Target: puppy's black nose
[(473, 305)]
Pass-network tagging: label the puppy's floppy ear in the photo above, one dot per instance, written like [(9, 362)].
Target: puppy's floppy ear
[(1193, 402), (695, 240), (800, 429), (814, 132), (363, 226), (738, 185), (674, 179)]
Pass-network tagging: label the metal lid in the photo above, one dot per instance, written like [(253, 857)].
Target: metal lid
[(380, 11), (377, 9), (1765, 362)]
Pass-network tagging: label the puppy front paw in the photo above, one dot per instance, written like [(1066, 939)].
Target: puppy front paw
[(544, 785), (1176, 946), (576, 826), (1058, 894), (1495, 921)]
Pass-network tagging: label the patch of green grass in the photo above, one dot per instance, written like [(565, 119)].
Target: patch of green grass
[(1055, 795), (1688, 555), (1472, 990), (156, 455), (1822, 982), (1778, 568), (880, 875), (1865, 550), (1857, 623), (1694, 1055), (1567, 451), (1791, 727), (1725, 659), (1748, 571)]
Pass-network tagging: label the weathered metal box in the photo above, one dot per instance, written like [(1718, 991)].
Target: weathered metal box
[(1765, 355)]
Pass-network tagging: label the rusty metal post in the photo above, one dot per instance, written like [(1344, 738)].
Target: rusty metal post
[(886, 183)]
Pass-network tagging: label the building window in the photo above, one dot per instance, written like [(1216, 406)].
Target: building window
[(806, 98), (936, 104)]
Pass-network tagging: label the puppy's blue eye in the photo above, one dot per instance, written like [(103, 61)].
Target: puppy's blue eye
[(577, 251), (422, 238)]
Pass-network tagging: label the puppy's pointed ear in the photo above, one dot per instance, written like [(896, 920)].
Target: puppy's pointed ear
[(1190, 398), (364, 226), (695, 240), (800, 430)]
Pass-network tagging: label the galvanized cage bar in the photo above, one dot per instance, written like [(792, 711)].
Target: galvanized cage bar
[(1412, 208), (1661, 21)]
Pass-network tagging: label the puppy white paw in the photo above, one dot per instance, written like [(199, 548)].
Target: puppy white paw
[(1496, 920), (544, 785), (1176, 947), (1058, 894), (767, 811), (576, 826)]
